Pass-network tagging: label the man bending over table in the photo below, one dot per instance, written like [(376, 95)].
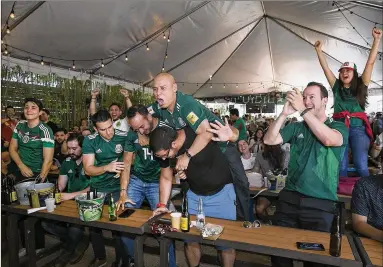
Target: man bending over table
[(317, 147), (73, 179), (209, 178)]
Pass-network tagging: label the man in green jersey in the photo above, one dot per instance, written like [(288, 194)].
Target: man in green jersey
[(31, 150), (239, 123), (179, 110), (144, 175), (73, 179), (103, 162), (32, 144), (316, 149)]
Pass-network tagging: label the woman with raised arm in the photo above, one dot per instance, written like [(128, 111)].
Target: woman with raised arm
[(350, 101)]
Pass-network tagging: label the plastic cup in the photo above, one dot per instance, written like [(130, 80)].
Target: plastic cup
[(176, 220), (50, 204)]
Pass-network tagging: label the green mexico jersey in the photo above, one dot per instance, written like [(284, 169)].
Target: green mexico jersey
[(349, 103), (241, 126), (187, 112), (77, 180), (31, 142), (313, 168), (105, 152), (145, 167)]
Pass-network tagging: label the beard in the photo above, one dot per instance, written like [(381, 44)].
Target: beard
[(74, 156)]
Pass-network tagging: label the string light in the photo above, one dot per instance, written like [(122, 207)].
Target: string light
[(163, 68), (224, 85), (164, 36), (210, 77), (147, 47), (8, 31), (102, 64), (6, 50), (166, 56), (73, 65), (211, 86), (236, 86), (249, 84), (42, 61), (12, 15), (168, 39), (126, 57)]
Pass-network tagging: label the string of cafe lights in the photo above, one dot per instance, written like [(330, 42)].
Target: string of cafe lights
[(166, 50), (43, 58), (340, 6)]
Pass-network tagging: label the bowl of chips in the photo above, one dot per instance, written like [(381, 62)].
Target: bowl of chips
[(211, 231)]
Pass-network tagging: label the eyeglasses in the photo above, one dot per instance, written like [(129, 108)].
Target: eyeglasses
[(255, 224)]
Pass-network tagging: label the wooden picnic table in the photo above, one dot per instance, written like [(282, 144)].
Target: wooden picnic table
[(273, 241), (371, 251), (67, 212)]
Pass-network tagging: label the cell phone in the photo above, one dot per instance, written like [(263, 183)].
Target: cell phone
[(310, 246), (164, 221), (126, 213)]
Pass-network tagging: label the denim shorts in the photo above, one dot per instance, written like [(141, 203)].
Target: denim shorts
[(220, 205)]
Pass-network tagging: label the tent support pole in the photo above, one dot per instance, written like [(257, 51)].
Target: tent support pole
[(205, 49), (232, 53), (322, 33), (155, 33), (270, 52), (300, 37), (23, 17)]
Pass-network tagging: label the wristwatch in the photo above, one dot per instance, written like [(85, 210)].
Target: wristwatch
[(188, 154)]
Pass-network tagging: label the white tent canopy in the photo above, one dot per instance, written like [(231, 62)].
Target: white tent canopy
[(247, 46)]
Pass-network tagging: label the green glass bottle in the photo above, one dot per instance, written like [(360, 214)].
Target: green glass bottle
[(112, 210)]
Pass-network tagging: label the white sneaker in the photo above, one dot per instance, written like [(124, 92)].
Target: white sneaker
[(23, 252)]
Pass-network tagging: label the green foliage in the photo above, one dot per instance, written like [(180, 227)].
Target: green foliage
[(64, 98)]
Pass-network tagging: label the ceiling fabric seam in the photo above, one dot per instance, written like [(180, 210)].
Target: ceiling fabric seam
[(270, 52), (233, 52)]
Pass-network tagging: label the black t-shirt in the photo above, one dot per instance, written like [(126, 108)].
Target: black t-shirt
[(57, 152), (367, 199), (208, 171), (53, 126)]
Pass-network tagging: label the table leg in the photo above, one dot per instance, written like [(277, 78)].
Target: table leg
[(30, 235), (13, 241), (164, 251), (139, 251)]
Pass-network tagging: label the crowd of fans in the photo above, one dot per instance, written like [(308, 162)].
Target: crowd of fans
[(130, 157)]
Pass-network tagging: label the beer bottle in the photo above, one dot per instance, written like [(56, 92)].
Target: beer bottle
[(200, 215), (13, 191), (336, 235), (88, 194), (112, 209), (7, 193), (57, 194), (185, 217), (94, 193)]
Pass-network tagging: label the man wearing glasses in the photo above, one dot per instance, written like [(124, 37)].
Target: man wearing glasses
[(209, 178), (103, 162), (73, 179)]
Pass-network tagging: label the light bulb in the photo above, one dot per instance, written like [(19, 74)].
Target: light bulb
[(102, 64), (163, 69), (126, 57), (164, 36), (168, 40), (73, 65), (147, 47), (166, 56), (6, 51), (42, 61), (236, 86), (224, 85), (8, 30), (211, 86), (12, 15), (249, 84)]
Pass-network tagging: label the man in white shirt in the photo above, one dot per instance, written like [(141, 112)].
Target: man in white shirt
[(114, 109)]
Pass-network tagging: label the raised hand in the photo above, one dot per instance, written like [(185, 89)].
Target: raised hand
[(95, 92), (376, 33), (318, 46), (124, 92)]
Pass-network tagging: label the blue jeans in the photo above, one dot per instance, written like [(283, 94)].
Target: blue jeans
[(220, 205), (359, 142), (138, 190)]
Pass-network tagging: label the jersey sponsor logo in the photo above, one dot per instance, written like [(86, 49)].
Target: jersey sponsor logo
[(192, 118), (118, 148), (150, 110), (98, 151), (70, 171), (181, 122), (301, 136)]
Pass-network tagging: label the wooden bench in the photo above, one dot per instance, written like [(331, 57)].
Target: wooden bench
[(67, 212), (370, 251), (273, 241)]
